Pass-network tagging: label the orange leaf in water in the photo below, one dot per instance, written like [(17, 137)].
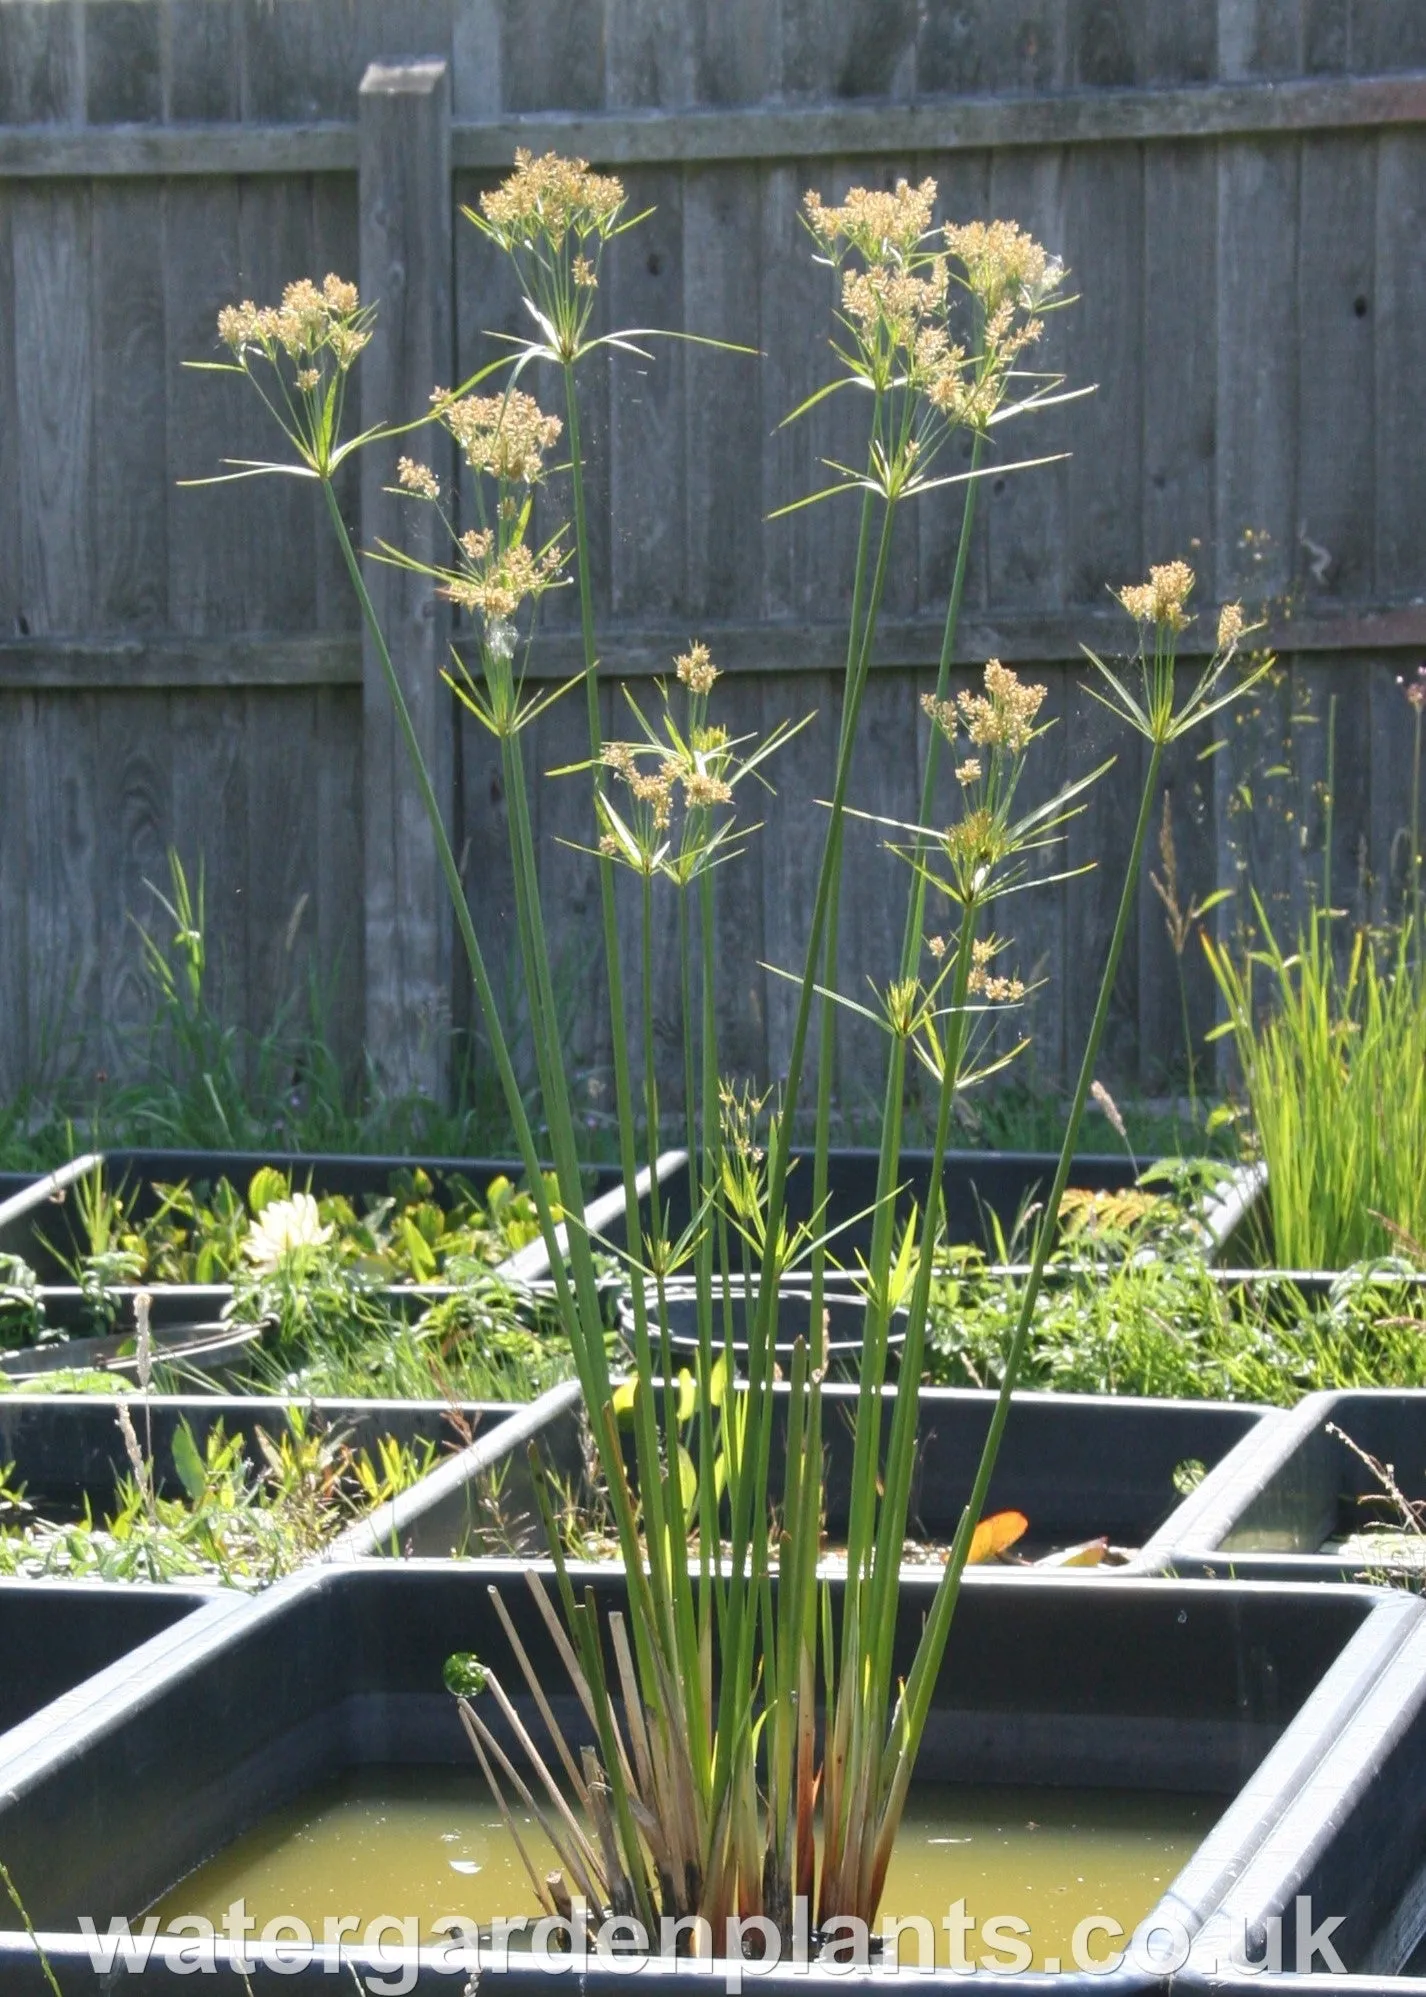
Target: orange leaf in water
[(994, 1534)]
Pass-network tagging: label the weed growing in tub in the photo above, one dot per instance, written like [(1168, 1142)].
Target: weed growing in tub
[(699, 1802)]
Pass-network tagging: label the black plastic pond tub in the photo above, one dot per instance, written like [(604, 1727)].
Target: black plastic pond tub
[(477, 1498), (40, 1212), (1208, 1690), (1270, 1510), (1351, 1843), (1080, 1467), (55, 1634), (67, 1448), (481, 1500), (980, 1190), (190, 1320)]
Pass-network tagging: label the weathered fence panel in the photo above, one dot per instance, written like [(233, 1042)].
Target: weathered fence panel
[(1238, 186)]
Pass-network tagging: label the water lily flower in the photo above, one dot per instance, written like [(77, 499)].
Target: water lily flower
[(282, 1227)]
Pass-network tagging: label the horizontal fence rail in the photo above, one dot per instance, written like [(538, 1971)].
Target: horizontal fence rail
[(763, 132), (645, 651)]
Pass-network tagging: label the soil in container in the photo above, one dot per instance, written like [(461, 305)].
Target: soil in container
[(428, 1843)]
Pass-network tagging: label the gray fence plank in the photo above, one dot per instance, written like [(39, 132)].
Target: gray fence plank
[(1385, 34), (134, 805), (123, 63), (337, 880), (1336, 498), (723, 433), (406, 262), (283, 747), (647, 471), (17, 1068), (1099, 838), (203, 73), (54, 385), (40, 68), (1028, 521), (211, 821), (131, 380), (1180, 373), (209, 416), (551, 58), (733, 51), (1181, 42), (991, 46), (1257, 367), (1400, 316), (1104, 245), (271, 521), (63, 869), (1259, 37), (1327, 37), (11, 586)]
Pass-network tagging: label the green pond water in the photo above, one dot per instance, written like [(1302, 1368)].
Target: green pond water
[(427, 1843)]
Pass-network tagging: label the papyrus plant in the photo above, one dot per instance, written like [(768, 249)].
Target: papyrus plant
[(697, 1798)]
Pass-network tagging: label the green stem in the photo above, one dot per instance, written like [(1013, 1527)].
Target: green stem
[(623, 1088), (915, 913), (645, 1436), (579, 1311), (828, 909), (920, 1685), (1187, 1042), (1416, 838)]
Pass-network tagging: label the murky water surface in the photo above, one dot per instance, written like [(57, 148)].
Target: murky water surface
[(427, 1843)]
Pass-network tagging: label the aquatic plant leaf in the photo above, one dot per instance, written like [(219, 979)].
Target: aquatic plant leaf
[(267, 1185), (1089, 1553), (188, 1463), (993, 1535), (687, 1479)]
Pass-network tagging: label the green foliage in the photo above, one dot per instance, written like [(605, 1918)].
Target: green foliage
[(244, 1523), (1168, 1326), (702, 1797), (1335, 1073), (318, 1276)]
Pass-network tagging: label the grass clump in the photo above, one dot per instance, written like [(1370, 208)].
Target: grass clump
[(1334, 1071)]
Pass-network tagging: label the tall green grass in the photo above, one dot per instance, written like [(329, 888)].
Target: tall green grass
[(1333, 1062)]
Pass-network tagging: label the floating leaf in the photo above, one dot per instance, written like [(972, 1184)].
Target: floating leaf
[(1089, 1553), (993, 1535)]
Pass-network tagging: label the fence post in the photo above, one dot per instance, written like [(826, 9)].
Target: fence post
[(404, 194)]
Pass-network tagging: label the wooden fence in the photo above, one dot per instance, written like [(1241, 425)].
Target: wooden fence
[(1239, 188)]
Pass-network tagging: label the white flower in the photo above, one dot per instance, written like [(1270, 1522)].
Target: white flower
[(281, 1227)]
